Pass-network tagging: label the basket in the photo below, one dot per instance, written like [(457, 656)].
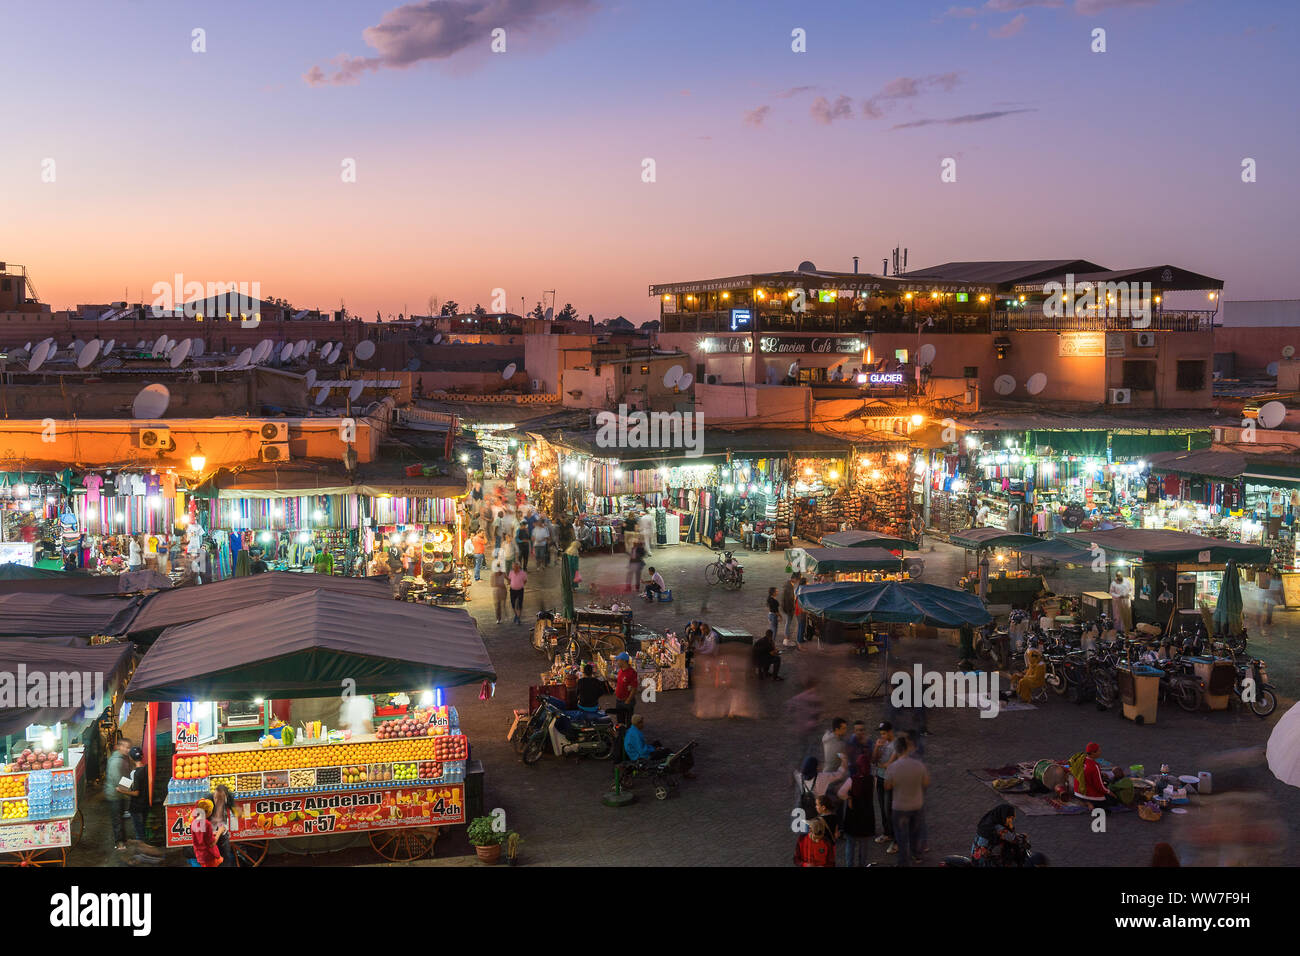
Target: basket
[(1148, 814)]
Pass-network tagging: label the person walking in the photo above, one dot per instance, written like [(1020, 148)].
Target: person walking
[(523, 540), (517, 579), (882, 753), (480, 553), (773, 610), (787, 608), (906, 779), (541, 543), (625, 687), (802, 622), (635, 565), (498, 588), (138, 793), (115, 791)]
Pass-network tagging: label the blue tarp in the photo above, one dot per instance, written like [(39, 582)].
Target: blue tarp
[(893, 602)]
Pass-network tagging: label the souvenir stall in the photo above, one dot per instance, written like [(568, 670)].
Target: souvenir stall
[(881, 494), (398, 781), (749, 498), (43, 765), (819, 501), (30, 531), (852, 564), (690, 501)]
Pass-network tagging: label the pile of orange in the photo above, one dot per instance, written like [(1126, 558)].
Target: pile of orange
[(13, 786), (326, 755), (190, 767)]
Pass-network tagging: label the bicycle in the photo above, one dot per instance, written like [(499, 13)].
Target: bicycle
[(726, 571)]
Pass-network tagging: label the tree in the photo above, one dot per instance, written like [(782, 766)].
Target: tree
[(567, 314), (538, 313), (450, 307), (479, 310)]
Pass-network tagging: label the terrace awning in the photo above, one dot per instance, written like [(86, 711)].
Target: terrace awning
[(1153, 546), (25, 614)]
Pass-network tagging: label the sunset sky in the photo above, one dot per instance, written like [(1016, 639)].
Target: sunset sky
[(523, 169)]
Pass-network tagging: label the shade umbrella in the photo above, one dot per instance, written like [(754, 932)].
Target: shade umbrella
[(1283, 751), (1228, 618)]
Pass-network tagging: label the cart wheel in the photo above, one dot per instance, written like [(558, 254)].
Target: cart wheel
[(48, 856), (661, 791), (78, 827), (608, 643), (250, 852), (402, 846)]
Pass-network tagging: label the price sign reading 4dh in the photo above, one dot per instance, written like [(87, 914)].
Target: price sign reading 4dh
[(271, 818)]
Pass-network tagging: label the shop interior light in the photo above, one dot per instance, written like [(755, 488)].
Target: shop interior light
[(920, 466), (875, 475), (984, 298), (1213, 296), (257, 700), (21, 491), (618, 472), (1007, 443), (908, 296), (47, 740), (860, 378), (265, 536), (464, 459), (198, 461), (304, 537), (155, 502), (900, 457), (833, 475), (808, 471), (318, 515), (866, 462), (183, 520), (917, 419), (426, 699)]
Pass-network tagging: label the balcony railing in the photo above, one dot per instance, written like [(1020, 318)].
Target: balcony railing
[(1031, 319), (855, 323)]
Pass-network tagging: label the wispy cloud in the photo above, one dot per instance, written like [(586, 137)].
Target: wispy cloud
[(795, 91), (1011, 27), (826, 112), (756, 116), (907, 87), (1099, 6), (957, 13), (960, 120), (1006, 6), (438, 30)]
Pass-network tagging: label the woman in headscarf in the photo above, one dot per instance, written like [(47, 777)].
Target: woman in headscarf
[(1032, 677), (994, 834)]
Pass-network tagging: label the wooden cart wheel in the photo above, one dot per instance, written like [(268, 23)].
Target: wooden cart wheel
[(609, 643), (404, 845), (51, 856), (250, 852), (78, 827)]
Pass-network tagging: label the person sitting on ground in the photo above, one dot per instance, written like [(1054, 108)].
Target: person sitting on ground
[(1034, 676), (1088, 781), (995, 834), (590, 690), (815, 848), (635, 746), (655, 585), (767, 659)]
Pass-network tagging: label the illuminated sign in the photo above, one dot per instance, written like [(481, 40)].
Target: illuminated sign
[(1081, 344), (740, 317), (885, 378), (826, 295)]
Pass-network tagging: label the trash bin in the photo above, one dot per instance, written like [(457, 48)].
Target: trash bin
[(1139, 689), (1219, 676)]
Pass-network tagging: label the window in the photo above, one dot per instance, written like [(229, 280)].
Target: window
[(1140, 375), (1191, 375), (971, 371)]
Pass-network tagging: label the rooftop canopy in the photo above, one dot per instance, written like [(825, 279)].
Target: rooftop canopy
[(102, 665), (34, 615), (1166, 547), (1164, 278), (312, 645), (866, 539), (848, 560), (979, 539), (198, 602), (17, 577), (893, 602)]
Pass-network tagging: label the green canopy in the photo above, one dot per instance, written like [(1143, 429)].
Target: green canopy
[(1153, 546), (846, 560), (1228, 618), (893, 602), (980, 539)]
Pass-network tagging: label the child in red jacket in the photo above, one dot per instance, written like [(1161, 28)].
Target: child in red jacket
[(815, 847), (204, 836)]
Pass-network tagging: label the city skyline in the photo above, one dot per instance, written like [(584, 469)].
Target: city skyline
[(524, 170)]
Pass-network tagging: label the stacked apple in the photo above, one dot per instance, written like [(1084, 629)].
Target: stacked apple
[(404, 771), (30, 760), (405, 727), (430, 770), (451, 747)]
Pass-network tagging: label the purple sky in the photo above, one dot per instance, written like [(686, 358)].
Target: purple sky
[(522, 170)]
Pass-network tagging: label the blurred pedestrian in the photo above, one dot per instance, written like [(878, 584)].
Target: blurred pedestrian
[(773, 610), (518, 577), (906, 779), (787, 608)]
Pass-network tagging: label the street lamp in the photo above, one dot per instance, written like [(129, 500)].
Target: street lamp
[(197, 460)]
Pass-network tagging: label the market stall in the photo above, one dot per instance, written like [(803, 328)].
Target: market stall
[(43, 772), (398, 784), (867, 539), (853, 564), (1008, 583), (16, 577)]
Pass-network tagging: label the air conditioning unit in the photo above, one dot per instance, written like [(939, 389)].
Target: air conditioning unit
[(1121, 396), (154, 439), (274, 451), (1146, 340), (275, 431), (537, 385)]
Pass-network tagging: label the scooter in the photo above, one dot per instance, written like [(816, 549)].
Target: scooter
[(569, 732), (1263, 699)]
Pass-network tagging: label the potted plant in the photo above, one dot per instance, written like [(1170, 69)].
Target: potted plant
[(485, 841)]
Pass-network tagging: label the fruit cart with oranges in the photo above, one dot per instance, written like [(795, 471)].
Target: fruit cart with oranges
[(398, 790)]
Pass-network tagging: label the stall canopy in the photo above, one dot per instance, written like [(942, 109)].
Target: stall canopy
[(893, 602), (866, 539), (848, 560), (24, 614), (980, 539), (81, 672), (1153, 546), (16, 577), (308, 477), (311, 645), (199, 602)]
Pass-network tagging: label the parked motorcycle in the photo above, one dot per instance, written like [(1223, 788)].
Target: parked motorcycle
[(569, 732), (1178, 684), (1254, 676)]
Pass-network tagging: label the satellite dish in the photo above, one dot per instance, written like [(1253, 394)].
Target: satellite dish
[(39, 356), (152, 402), (27, 347), (1288, 351), (197, 348), (437, 338), (245, 358), (508, 372), (685, 381), (322, 394), (331, 357), (76, 346), (300, 348), (159, 345), (310, 377), (925, 354), (365, 349), (673, 376), (1004, 385), (262, 350), (1271, 369), (1271, 414), (355, 391), (1037, 382), (180, 353), (89, 352), (108, 347), (286, 353)]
